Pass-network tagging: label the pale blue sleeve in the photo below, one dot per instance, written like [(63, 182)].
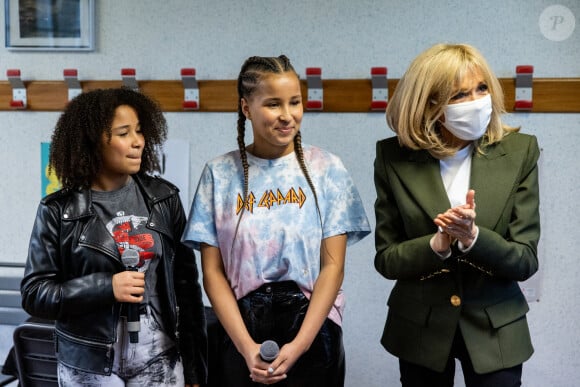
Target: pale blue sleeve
[(343, 208), (201, 226)]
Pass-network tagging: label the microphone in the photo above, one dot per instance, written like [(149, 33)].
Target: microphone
[(269, 351), (130, 259)]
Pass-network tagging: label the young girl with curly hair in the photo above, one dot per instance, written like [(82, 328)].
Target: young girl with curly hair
[(111, 215)]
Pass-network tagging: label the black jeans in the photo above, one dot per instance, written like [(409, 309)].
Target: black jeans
[(275, 312), (413, 375)]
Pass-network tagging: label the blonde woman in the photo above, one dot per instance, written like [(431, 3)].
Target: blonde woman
[(456, 265)]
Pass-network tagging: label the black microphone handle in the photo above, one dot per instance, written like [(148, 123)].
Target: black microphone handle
[(130, 259), (133, 323)]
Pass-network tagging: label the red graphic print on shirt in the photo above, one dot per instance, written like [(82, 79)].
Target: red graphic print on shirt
[(129, 232)]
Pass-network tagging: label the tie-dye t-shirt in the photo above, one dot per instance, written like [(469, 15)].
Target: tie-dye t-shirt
[(279, 234)]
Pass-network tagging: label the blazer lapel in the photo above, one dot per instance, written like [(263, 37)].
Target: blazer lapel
[(421, 175), (493, 181), (491, 178)]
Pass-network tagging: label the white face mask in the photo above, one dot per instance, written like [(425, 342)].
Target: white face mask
[(468, 120)]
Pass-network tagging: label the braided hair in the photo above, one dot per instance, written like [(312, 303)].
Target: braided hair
[(252, 73)]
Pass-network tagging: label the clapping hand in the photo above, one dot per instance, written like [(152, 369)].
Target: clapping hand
[(458, 223)]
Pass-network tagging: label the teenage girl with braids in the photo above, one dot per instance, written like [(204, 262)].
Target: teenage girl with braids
[(272, 221)]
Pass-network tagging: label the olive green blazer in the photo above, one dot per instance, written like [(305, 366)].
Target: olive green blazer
[(478, 291)]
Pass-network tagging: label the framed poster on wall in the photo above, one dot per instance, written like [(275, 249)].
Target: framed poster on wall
[(48, 25)]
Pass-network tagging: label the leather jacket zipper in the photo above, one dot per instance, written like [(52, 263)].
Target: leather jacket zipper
[(109, 347)]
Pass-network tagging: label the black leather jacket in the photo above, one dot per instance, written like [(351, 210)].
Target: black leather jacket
[(68, 278)]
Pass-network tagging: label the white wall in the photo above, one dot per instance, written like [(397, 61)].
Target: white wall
[(346, 38)]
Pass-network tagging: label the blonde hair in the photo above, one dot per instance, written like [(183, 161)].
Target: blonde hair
[(426, 88)]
